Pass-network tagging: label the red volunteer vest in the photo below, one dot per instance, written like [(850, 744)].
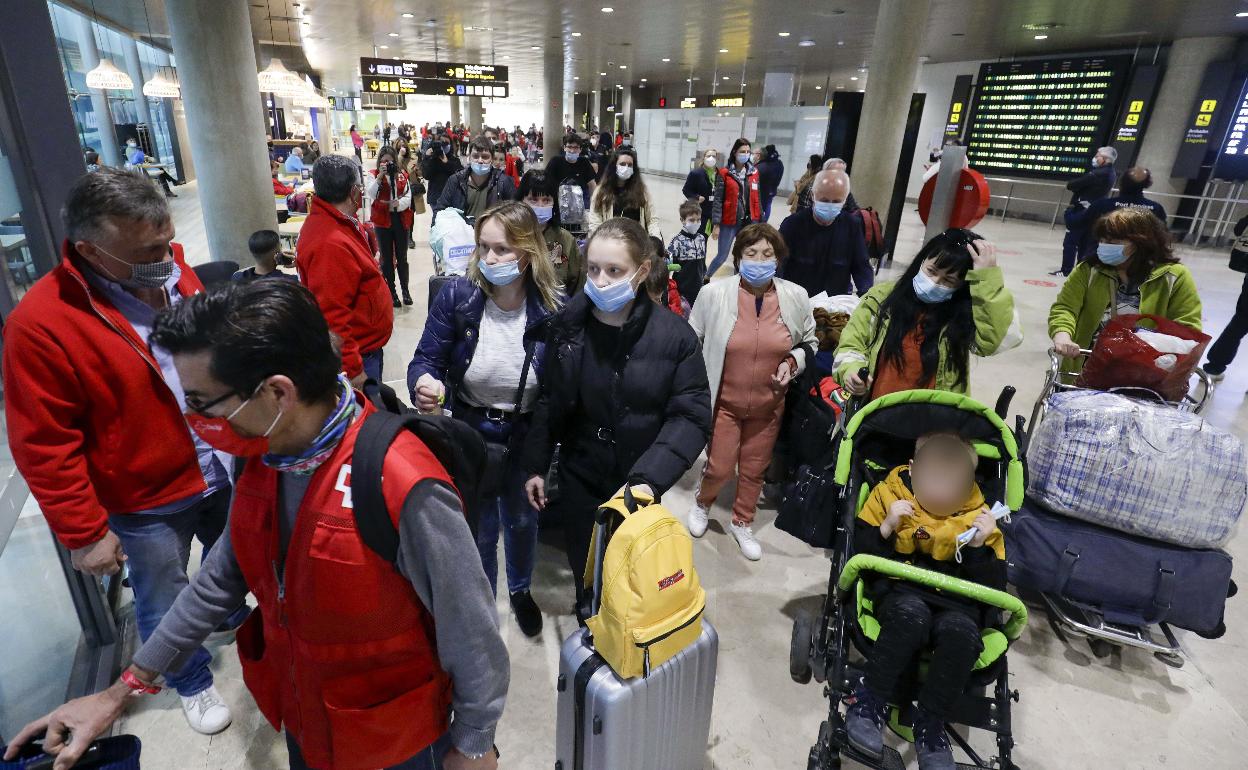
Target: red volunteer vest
[(381, 209), (732, 194), (343, 654)]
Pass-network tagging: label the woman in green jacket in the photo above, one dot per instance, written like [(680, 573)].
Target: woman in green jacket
[(920, 332), (1134, 270)]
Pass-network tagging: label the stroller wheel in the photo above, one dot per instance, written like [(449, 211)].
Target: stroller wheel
[(1101, 648), (1171, 659), (799, 649)]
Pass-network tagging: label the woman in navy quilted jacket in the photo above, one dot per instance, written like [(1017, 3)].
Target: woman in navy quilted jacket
[(473, 360)]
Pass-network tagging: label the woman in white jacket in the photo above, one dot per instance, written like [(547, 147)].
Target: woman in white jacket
[(757, 333), (622, 194)]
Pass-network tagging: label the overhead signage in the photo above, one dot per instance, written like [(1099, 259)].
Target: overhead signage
[(688, 102), (727, 101), (1232, 161), (959, 107), (712, 100), (1204, 121), (397, 68), (1137, 105), (433, 87), (1045, 117), (370, 101)]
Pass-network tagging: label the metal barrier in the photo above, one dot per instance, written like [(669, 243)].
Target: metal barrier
[(1204, 228)]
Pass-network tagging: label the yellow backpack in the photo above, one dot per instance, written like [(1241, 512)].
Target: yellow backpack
[(651, 601)]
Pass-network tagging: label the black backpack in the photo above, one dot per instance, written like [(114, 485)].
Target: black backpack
[(458, 446)]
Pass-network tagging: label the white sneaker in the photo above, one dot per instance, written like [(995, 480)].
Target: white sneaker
[(206, 712), (699, 517), (750, 548)]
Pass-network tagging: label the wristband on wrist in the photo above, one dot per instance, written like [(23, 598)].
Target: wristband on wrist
[(136, 686)]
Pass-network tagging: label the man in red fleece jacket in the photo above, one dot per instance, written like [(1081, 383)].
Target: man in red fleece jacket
[(336, 263), (95, 415)]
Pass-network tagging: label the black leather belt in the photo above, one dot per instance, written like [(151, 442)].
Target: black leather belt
[(493, 415)]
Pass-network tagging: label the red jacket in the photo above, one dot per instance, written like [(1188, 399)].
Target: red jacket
[(336, 263), (730, 191), (92, 425), (380, 212), (510, 170), (344, 657), (281, 189)]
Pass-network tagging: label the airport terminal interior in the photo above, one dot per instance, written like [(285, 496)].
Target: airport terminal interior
[(1024, 96)]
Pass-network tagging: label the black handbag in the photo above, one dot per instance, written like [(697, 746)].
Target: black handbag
[(497, 455), (808, 510)]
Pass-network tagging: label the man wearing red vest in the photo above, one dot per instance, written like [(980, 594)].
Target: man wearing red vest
[(95, 416), (366, 663), (336, 262)]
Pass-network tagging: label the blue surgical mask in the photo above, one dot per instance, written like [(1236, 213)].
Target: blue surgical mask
[(626, 142), (571, 157), (826, 211), (742, 157), (1112, 254), (481, 169), (613, 296), (501, 274), (757, 272), (544, 213), (928, 290), (690, 227)]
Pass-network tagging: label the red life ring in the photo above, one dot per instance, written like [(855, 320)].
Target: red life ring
[(969, 205)]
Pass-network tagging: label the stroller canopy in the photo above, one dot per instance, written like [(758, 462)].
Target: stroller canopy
[(884, 431)]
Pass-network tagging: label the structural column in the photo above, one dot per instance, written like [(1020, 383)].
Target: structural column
[(626, 109), (110, 153), (899, 29), (456, 119), (595, 110), (134, 69), (474, 115), (216, 66), (1185, 68), (552, 116)]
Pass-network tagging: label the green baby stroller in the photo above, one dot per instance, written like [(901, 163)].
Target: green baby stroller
[(876, 439)]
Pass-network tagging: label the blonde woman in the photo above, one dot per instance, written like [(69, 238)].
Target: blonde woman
[(622, 194), (473, 359)]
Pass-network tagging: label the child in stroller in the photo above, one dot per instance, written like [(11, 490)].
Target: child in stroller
[(916, 515)]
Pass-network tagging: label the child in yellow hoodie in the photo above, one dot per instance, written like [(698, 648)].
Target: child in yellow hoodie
[(915, 516)]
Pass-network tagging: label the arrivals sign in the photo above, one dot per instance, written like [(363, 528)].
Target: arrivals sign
[(959, 107), (1205, 120), (402, 76), (1133, 115)]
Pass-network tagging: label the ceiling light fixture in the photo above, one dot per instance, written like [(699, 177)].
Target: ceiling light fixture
[(644, 80), (383, 47), (1241, 15), (535, 48), (807, 43), (393, 34), (106, 76), (854, 77), (818, 88), (608, 9), (158, 87), (667, 60), (409, 15), (725, 77), (603, 74), (784, 34), (506, 56), (576, 34), (576, 77), (840, 42), (1040, 37), (723, 50)]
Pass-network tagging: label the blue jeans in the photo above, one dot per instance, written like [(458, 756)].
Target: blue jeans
[(158, 547), (726, 235), (767, 207), (511, 512), (429, 759), (1071, 244), (373, 363)]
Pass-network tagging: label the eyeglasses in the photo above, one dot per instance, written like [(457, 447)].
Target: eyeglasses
[(202, 409)]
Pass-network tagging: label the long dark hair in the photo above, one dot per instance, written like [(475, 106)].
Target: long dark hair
[(902, 310), (732, 156), (631, 194)]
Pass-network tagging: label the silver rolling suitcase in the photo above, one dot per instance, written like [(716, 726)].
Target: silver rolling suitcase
[(658, 722)]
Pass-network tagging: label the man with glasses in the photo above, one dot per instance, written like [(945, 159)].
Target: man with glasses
[(95, 416), (336, 261), (365, 660)]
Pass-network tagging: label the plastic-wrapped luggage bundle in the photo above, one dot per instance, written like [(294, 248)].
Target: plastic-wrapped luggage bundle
[(452, 240), (1145, 469), (571, 204)]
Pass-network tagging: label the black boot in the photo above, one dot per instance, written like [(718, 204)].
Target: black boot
[(403, 275), (528, 614)]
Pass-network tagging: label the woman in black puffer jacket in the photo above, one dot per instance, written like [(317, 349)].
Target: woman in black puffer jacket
[(624, 391)]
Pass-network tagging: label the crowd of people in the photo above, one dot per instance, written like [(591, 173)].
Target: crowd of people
[(588, 369)]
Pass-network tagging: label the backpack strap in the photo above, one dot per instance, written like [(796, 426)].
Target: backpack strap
[(368, 503)]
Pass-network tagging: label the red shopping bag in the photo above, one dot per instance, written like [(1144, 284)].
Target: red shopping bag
[(1121, 359)]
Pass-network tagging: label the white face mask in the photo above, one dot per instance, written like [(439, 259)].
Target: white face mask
[(709, 161), (623, 172)]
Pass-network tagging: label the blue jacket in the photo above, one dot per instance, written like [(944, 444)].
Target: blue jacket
[(770, 173), (451, 331), (826, 257), (1079, 218)]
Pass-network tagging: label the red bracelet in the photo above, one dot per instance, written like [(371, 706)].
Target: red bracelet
[(136, 686)]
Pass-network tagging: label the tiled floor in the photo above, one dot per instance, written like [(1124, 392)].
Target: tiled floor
[(1129, 711)]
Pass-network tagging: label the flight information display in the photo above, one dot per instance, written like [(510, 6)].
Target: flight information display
[(1044, 118)]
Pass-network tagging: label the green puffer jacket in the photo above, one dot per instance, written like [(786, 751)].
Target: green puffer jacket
[(992, 308), (1168, 292)]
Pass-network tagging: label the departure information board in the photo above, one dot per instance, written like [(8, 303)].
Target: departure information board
[(1044, 118), (1232, 162)]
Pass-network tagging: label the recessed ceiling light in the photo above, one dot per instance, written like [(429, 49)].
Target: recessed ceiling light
[(818, 88), (394, 34), (688, 80), (607, 9), (576, 77), (619, 86), (667, 60), (644, 80), (603, 74), (1241, 14), (535, 48), (623, 66), (840, 42), (807, 43), (506, 56), (1041, 27), (862, 69), (1046, 37), (784, 34), (383, 47), (576, 34), (725, 77), (855, 77), (409, 15), (743, 85), (723, 50)]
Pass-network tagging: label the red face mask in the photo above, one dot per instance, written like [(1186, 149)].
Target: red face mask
[(218, 433)]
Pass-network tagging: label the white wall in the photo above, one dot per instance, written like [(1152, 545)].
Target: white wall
[(935, 80)]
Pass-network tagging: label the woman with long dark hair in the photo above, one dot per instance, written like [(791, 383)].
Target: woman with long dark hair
[(391, 214), (622, 193), (920, 331), (737, 202)]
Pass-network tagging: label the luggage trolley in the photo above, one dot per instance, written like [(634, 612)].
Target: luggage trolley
[(1069, 618)]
